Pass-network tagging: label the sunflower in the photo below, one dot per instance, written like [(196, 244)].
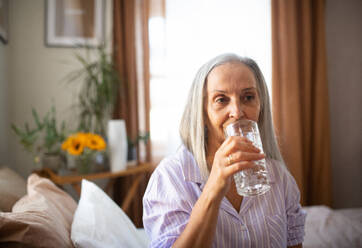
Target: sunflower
[(82, 137), (66, 144), (75, 146), (95, 142), (76, 143)]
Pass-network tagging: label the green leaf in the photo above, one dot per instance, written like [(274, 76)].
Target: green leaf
[(36, 118)]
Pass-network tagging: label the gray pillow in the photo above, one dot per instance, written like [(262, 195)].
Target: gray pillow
[(42, 218)]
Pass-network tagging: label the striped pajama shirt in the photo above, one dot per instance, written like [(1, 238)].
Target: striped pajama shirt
[(274, 219)]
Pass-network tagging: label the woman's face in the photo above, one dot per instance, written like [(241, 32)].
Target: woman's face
[(231, 95)]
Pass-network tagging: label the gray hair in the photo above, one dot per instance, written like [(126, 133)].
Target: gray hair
[(192, 127)]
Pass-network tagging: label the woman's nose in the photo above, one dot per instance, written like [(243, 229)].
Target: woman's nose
[(236, 110)]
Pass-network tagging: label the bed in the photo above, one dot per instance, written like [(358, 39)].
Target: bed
[(328, 228)]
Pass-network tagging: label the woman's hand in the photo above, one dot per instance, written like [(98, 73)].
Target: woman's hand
[(236, 153)]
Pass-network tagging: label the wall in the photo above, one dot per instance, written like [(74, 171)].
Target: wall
[(344, 51), (36, 76), (4, 119)]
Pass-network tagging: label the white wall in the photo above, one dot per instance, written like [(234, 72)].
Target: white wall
[(344, 51), (4, 117), (36, 77)]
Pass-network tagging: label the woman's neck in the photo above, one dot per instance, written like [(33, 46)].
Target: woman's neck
[(212, 147)]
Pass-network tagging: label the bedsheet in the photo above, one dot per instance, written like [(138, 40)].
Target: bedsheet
[(330, 228)]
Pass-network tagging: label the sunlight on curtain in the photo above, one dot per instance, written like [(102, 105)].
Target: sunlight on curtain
[(192, 32)]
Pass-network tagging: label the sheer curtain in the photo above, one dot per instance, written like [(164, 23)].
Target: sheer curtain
[(185, 36)]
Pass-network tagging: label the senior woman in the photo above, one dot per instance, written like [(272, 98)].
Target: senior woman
[(191, 199)]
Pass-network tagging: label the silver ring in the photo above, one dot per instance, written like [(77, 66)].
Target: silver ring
[(229, 158)]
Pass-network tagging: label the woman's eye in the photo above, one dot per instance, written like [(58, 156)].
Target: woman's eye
[(221, 100), (249, 98)]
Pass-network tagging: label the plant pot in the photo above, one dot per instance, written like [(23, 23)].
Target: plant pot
[(132, 155), (52, 161)]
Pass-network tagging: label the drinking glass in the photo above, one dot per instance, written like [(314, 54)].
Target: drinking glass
[(253, 181)]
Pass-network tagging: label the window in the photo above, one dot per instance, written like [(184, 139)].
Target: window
[(191, 33)]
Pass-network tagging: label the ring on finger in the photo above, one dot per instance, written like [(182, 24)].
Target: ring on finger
[(230, 159)]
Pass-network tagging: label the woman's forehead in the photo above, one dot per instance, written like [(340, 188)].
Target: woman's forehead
[(235, 74)]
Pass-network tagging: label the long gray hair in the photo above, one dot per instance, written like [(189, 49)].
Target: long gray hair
[(192, 128)]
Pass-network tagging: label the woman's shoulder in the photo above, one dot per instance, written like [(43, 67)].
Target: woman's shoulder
[(282, 177), (174, 163), (278, 170), (170, 172)]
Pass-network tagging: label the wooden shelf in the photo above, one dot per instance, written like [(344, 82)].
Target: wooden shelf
[(66, 179), (75, 180)]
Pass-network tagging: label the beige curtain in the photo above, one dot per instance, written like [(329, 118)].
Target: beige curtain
[(300, 95), (131, 55)]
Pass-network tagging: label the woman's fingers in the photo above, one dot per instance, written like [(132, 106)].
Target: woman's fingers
[(244, 156), (234, 154), (236, 167), (236, 143), (244, 160)]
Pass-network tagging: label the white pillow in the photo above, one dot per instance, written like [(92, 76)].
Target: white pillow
[(100, 222)]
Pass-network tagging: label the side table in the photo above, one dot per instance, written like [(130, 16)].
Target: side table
[(75, 180)]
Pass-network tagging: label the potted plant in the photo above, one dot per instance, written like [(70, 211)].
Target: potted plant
[(43, 140), (133, 144), (84, 147), (98, 92)]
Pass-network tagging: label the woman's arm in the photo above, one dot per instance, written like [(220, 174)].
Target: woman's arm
[(200, 230), (295, 214), (202, 223)]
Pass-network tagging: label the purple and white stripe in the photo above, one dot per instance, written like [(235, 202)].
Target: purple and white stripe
[(274, 219)]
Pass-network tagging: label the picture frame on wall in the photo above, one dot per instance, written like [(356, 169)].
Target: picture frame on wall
[(4, 21), (74, 23)]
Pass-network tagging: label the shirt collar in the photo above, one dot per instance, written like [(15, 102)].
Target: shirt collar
[(190, 169)]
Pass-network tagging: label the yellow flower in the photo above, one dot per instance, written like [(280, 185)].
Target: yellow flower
[(82, 137), (76, 143), (66, 144), (76, 146), (95, 142)]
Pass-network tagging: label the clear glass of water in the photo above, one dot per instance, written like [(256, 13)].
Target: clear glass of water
[(254, 181)]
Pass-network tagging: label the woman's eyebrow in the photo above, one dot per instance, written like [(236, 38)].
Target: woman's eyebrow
[(219, 91), (223, 91), (251, 88)]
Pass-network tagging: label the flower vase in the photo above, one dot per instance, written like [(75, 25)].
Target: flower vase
[(52, 161), (84, 164), (83, 149)]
